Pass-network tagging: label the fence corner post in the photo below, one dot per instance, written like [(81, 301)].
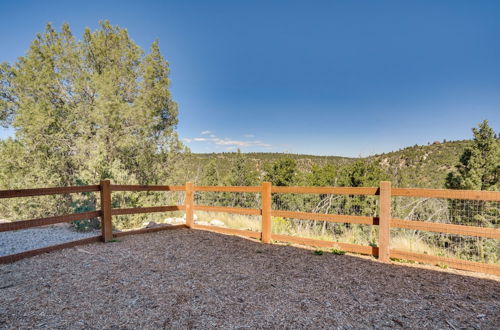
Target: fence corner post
[(106, 224), (266, 212), (384, 221), (188, 202)]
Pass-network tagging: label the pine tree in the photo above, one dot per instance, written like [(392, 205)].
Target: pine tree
[(210, 178), (89, 109), (479, 167), (322, 176), (242, 174), (282, 172)]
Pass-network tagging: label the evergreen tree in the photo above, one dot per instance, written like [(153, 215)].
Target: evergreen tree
[(210, 178), (322, 176), (210, 174), (479, 167), (282, 172), (242, 174), (362, 173), (86, 110)]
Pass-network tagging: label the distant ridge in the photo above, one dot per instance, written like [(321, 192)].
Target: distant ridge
[(416, 166)]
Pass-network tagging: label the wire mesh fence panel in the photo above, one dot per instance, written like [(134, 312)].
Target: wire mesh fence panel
[(473, 213), (140, 199), (347, 205)]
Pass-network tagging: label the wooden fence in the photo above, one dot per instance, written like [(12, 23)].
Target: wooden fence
[(384, 220)]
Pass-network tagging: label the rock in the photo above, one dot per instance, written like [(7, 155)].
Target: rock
[(4, 221), (217, 223), (203, 223), (152, 224)]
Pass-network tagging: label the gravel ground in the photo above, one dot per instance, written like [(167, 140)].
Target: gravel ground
[(12, 242), (196, 279)]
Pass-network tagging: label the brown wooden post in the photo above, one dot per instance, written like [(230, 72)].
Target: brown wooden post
[(189, 204), (106, 224), (266, 212), (384, 221)]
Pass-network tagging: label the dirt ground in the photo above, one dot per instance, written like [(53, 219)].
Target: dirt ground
[(196, 279)]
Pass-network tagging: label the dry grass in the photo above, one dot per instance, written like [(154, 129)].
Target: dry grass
[(414, 243), (236, 221), (195, 279)]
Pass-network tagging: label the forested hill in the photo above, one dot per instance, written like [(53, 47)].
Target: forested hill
[(417, 166)]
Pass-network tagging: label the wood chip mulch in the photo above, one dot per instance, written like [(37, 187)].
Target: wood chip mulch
[(196, 279)]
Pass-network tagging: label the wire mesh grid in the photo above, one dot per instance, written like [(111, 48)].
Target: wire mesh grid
[(326, 204), (484, 214)]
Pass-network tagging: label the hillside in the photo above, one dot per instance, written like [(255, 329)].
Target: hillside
[(417, 166)]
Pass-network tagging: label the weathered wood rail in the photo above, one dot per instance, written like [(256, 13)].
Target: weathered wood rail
[(384, 220)]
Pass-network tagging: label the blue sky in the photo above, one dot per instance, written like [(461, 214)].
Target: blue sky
[(349, 78)]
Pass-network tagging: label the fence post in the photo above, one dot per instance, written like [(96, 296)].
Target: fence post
[(384, 221), (266, 212), (188, 200), (106, 224)]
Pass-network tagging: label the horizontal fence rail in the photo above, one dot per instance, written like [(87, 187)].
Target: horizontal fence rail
[(25, 224), (448, 193), (121, 187), (384, 220), (327, 190), (47, 191)]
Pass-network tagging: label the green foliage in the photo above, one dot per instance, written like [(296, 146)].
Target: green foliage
[(282, 172), (416, 166), (323, 176), (479, 166), (87, 110), (242, 172), (337, 251), (362, 173), (210, 174), (318, 252)]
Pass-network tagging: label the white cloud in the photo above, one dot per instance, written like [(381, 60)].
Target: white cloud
[(206, 132), (228, 143), (238, 143)]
